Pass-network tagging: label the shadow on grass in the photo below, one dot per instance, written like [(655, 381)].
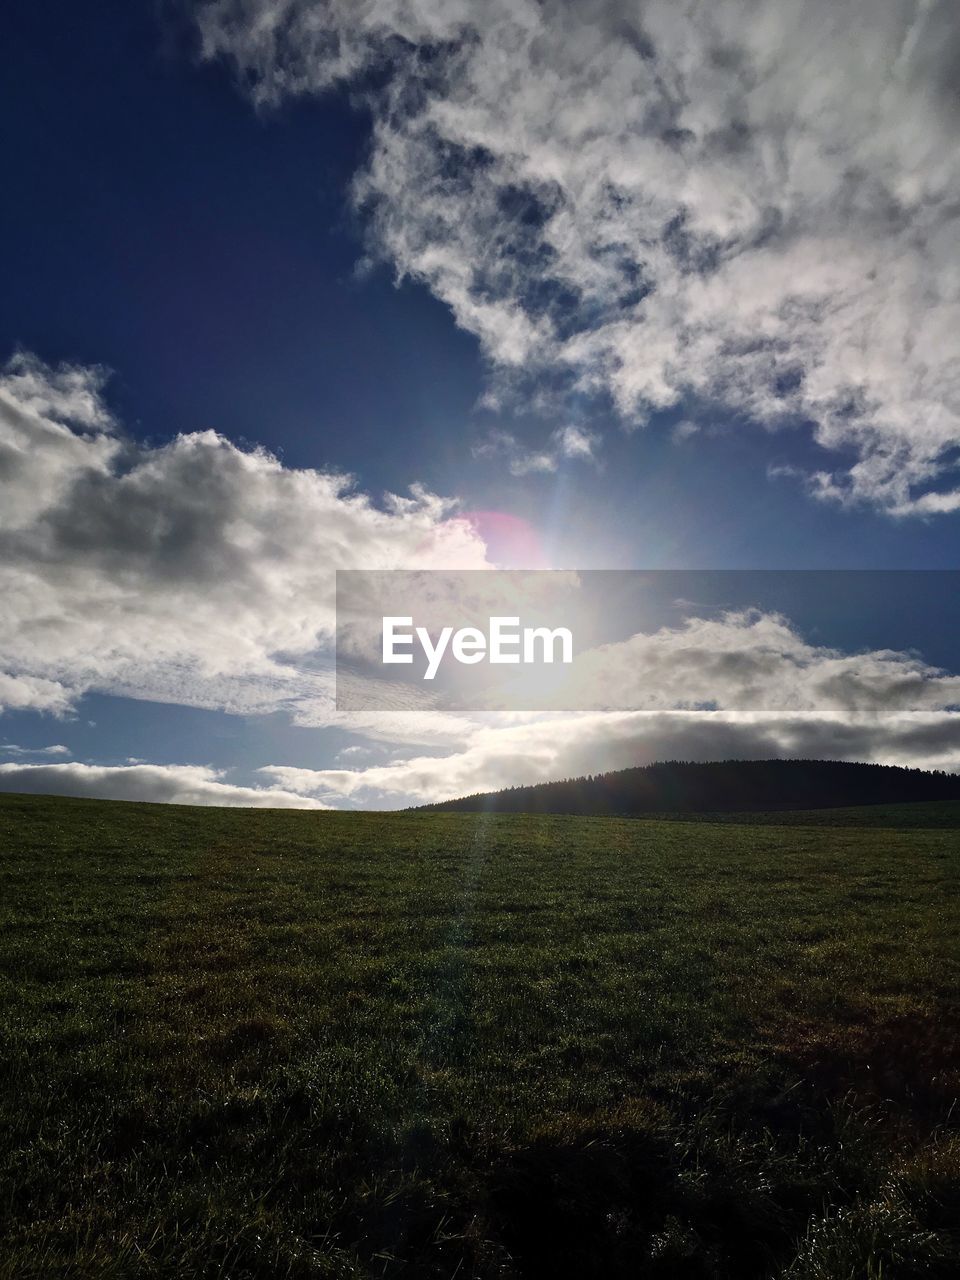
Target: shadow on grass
[(909, 1062), (616, 1203)]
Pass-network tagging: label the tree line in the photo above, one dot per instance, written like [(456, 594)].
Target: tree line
[(719, 786)]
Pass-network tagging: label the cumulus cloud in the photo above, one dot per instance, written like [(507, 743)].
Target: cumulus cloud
[(744, 205), (199, 573), (749, 661), (162, 784), (194, 572), (19, 693)]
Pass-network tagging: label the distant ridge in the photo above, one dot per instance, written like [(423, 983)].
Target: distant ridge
[(725, 786)]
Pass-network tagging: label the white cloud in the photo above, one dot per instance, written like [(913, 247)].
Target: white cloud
[(683, 431), (358, 752), (201, 574), (11, 749), (564, 444), (745, 205), (161, 784), (548, 748), (744, 685), (520, 460), (18, 693), (193, 572), (576, 442), (752, 662)]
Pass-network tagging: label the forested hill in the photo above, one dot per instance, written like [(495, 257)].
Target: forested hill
[(720, 786)]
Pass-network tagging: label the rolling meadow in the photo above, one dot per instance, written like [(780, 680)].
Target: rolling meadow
[(260, 1044)]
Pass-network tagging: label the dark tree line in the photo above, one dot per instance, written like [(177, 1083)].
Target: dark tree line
[(720, 786)]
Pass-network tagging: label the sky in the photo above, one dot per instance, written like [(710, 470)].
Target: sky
[(295, 286)]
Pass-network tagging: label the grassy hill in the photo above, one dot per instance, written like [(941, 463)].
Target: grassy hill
[(266, 1044), (722, 786)]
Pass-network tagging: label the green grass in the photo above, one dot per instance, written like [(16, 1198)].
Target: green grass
[(292, 1044), (934, 815)]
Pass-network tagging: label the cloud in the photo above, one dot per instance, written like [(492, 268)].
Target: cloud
[(545, 749), (357, 752), (576, 442), (683, 431), (520, 460), (750, 208), (194, 572), (11, 749), (744, 685), (739, 660), (747, 661), (19, 693), (161, 784), (771, 694), (565, 444)]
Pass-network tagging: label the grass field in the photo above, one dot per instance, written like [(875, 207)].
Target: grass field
[(291, 1044)]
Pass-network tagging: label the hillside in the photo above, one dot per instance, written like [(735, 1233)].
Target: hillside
[(727, 786)]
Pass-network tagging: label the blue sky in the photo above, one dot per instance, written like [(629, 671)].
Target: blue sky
[(209, 207)]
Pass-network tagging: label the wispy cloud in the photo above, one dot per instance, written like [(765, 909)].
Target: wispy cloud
[(11, 749), (748, 207), (564, 444), (683, 431)]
